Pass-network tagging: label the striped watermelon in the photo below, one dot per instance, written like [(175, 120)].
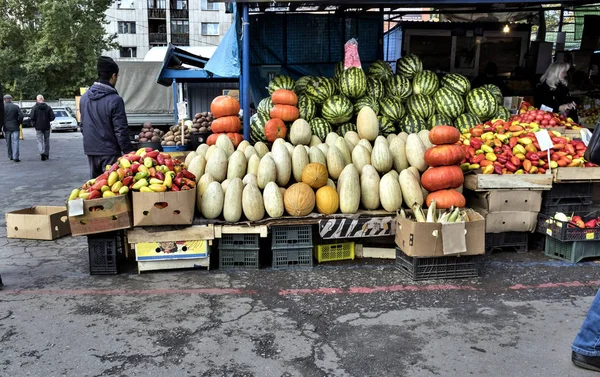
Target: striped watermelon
[(482, 103), (375, 88), (257, 127), (320, 128), (459, 83), (386, 126), (412, 124), (439, 120), (345, 128), (338, 69), (421, 105), (425, 82), (337, 109), (301, 84), (380, 70), (366, 101), (353, 83), (306, 107), (398, 86), (496, 92), (319, 89), (281, 82), (502, 113), (334, 83), (391, 108), (265, 105), (449, 103), (409, 65), (465, 122)]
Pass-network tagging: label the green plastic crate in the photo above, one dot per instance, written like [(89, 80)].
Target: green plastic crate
[(572, 252)]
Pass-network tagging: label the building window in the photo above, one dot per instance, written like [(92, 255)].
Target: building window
[(126, 4), (207, 5), (126, 27), (128, 52), (210, 28), (180, 27), (181, 4), (157, 4)]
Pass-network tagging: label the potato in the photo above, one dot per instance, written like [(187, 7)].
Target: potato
[(143, 140), (155, 139), (170, 143)]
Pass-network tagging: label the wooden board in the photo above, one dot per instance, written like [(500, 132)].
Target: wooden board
[(262, 230), (576, 174), (374, 252), (486, 182), (171, 233), (573, 134), (174, 264), (357, 228)]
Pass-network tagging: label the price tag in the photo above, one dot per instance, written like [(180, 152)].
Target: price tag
[(549, 232), (75, 207), (586, 135), (589, 236), (543, 138), (546, 108)]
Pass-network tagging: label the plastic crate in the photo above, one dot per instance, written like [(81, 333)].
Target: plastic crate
[(334, 252), (450, 267), (514, 240), (239, 241), (104, 251), (572, 252), (569, 191), (292, 258), (238, 259), (560, 230), (285, 237), (566, 206)]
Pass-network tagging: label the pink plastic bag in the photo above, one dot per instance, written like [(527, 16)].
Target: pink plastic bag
[(351, 58)]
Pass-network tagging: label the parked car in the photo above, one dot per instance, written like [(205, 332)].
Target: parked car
[(63, 120), (26, 117)]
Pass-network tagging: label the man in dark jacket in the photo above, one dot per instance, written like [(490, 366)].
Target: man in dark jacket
[(12, 121), (41, 115), (1, 113), (103, 120)]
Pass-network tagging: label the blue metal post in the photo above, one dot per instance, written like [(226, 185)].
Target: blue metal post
[(245, 76), (175, 100)]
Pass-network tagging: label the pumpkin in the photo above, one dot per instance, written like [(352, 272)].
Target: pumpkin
[(226, 124), (328, 200), (315, 175), (275, 129), (444, 155), (235, 138), (299, 199), (284, 97), (223, 106), (442, 177), (286, 113), (212, 139), (446, 198), (440, 135)]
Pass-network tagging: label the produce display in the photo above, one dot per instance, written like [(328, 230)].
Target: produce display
[(150, 134), (542, 119), (174, 136), (202, 122), (227, 121)]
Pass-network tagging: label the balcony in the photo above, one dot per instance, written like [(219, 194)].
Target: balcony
[(180, 39), (158, 38), (158, 14), (180, 13)]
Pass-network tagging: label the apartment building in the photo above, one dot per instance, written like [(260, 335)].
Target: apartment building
[(143, 24)]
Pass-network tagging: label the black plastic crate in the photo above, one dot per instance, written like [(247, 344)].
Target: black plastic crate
[(105, 250), (449, 267), (238, 259), (569, 191), (239, 241), (561, 231), (292, 258), (567, 206), (572, 252), (519, 241), (296, 237)]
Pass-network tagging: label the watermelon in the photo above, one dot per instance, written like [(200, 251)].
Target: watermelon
[(421, 105), (301, 83), (366, 101), (386, 126), (449, 103), (375, 88), (465, 122), (257, 127), (265, 105), (281, 82), (338, 69), (336, 87), (496, 92), (319, 89), (425, 82), (320, 128), (459, 83), (391, 108), (352, 83), (502, 113), (439, 120), (346, 127), (412, 124), (398, 86), (482, 103), (409, 65), (306, 107), (337, 109), (380, 70)]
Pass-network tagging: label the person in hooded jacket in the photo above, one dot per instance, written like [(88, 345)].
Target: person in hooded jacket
[(103, 120), (41, 116)]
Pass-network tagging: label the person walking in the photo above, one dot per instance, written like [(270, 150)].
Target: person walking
[(103, 120), (585, 351), (13, 116), (41, 115)]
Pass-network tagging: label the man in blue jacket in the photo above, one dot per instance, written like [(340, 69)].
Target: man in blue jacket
[(103, 120)]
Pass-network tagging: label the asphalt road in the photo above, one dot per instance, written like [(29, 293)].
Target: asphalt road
[(353, 319)]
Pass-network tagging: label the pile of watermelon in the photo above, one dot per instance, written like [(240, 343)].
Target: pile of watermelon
[(411, 100)]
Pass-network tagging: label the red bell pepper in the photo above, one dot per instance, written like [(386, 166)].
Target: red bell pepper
[(591, 224)]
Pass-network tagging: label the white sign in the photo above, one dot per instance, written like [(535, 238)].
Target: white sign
[(543, 138), (182, 110), (75, 207), (586, 135), (546, 108)]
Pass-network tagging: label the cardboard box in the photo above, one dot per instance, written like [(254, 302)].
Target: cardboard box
[(426, 239), (505, 200), (154, 251), (38, 223), (515, 221), (164, 208), (101, 215)]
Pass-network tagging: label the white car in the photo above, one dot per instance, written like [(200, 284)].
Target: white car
[(63, 121)]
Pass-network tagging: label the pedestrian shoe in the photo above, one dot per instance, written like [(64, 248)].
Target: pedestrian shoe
[(43, 157), (17, 160), (586, 362)]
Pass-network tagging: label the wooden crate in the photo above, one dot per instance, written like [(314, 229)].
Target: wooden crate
[(486, 182), (262, 230), (173, 264), (586, 174)]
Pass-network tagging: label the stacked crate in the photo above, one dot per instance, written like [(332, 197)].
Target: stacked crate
[(239, 252), (292, 246), (105, 250)]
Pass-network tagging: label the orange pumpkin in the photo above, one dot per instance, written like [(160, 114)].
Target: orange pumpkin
[(444, 155), (286, 113), (328, 200), (446, 198), (442, 177), (440, 135), (235, 138), (212, 139), (274, 129), (284, 97), (299, 199), (223, 106), (226, 124), (315, 175)]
